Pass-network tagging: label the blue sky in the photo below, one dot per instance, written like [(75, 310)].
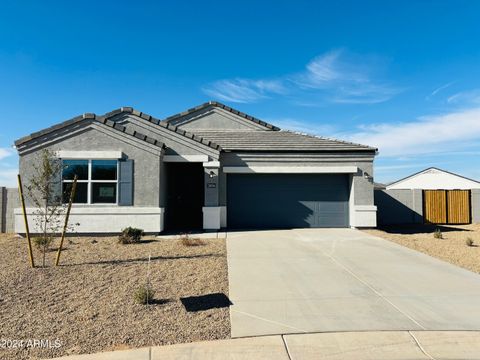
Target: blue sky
[(400, 75)]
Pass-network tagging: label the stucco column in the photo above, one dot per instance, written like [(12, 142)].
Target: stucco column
[(363, 212), (475, 203), (417, 205), (211, 209)]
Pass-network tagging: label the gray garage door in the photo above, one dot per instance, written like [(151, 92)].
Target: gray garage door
[(287, 200)]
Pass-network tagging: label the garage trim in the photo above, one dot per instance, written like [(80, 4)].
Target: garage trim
[(290, 169)]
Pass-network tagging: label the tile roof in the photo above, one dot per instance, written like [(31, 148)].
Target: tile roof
[(278, 141), (165, 125), (105, 119), (221, 106), (93, 118)]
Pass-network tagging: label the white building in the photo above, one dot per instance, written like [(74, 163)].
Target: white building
[(434, 179)]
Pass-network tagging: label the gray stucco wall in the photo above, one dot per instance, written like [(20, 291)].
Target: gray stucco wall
[(475, 206), (146, 159), (175, 143), (399, 206), (13, 201), (363, 188), (213, 118), (211, 186), (8, 201)]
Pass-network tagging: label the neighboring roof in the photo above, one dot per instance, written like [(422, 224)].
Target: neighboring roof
[(105, 119), (278, 141), (409, 181), (221, 106), (94, 118), (377, 185)]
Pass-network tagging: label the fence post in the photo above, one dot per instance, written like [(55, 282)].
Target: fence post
[(3, 206)]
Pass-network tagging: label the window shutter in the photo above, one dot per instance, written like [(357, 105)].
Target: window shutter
[(125, 183)]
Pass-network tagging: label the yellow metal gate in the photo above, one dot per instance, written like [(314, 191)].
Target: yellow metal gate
[(446, 206)]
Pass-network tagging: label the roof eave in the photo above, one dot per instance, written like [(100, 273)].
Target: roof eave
[(372, 151), (93, 118), (106, 117)]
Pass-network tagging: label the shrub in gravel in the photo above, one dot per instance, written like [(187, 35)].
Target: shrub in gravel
[(144, 294), (43, 243), (438, 234), (469, 241), (130, 235), (189, 241)]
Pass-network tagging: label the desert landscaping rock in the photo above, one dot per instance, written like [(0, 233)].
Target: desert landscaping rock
[(87, 303), (452, 248)]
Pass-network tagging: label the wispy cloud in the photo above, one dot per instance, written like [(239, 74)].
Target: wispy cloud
[(334, 77), (419, 165), (347, 78), (8, 173), (468, 97), (456, 131), (8, 177), (303, 126), (244, 90), (440, 88), (324, 69), (5, 152)]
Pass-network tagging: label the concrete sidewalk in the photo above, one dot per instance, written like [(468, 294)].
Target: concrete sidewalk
[(385, 345)]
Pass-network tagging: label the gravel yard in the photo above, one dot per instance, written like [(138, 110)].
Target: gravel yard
[(88, 302), (451, 248)]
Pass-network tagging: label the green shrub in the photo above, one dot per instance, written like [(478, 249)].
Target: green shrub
[(469, 241), (130, 235), (438, 234), (43, 243), (144, 294)]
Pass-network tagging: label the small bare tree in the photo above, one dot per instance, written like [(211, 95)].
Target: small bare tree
[(45, 193)]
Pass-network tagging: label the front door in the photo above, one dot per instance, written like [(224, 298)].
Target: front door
[(185, 196)]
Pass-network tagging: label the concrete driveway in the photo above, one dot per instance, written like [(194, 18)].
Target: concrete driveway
[(324, 280)]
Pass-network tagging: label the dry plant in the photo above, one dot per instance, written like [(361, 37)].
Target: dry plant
[(43, 244), (130, 235), (144, 293), (44, 192), (438, 234), (186, 240)]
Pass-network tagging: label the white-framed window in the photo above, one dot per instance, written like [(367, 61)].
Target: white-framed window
[(97, 180)]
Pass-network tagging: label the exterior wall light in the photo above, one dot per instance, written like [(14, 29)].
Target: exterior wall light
[(367, 176)]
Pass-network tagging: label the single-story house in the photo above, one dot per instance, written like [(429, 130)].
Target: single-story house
[(429, 196), (209, 167)]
